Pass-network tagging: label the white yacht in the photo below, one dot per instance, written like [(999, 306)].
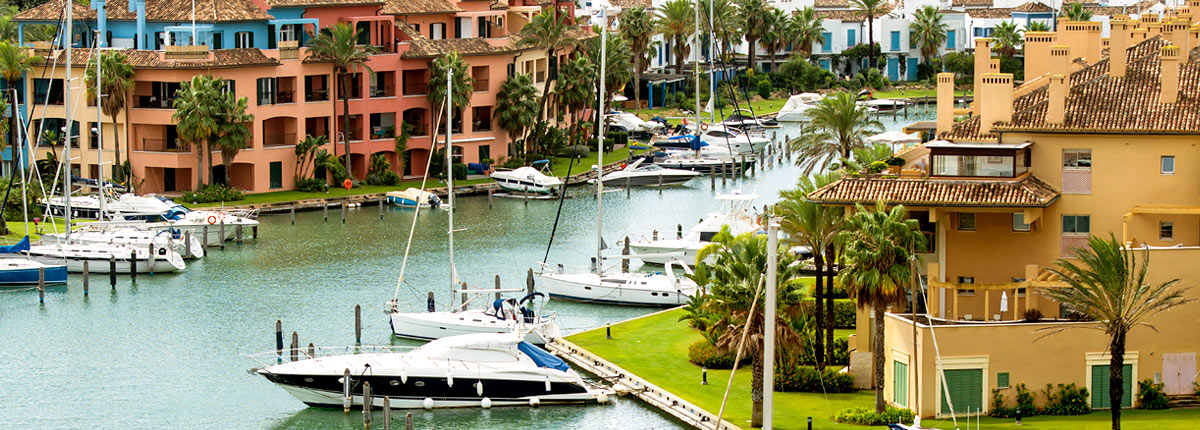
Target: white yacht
[(128, 234), (640, 172), (528, 179), (736, 215), (501, 316), (733, 139), (632, 123), (797, 106), (462, 371), (631, 289), (159, 214), (414, 198), (145, 260)]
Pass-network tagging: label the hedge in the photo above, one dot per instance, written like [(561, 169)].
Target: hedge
[(806, 379), (843, 311), (868, 417), (704, 354)]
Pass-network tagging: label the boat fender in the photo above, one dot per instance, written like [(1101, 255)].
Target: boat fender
[(212, 219), (427, 403), (486, 403), (534, 401), (403, 376), (547, 383), (602, 398), (479, 389), (449, 378)]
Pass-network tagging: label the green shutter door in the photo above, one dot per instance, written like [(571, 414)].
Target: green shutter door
[(1099, 388), (966, 390), (276, 174), (900, 383)]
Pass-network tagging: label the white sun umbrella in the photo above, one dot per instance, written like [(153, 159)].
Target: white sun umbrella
[(895, 138), (1004, 301)]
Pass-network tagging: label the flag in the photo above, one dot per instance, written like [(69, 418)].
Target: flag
[(709, 107), (603, 245)]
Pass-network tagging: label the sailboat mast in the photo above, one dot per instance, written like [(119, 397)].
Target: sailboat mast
[(599, 266), (67, 36), (450, 177), (712, 52), (99, 129), (697, 72)]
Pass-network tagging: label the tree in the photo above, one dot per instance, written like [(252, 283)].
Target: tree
[(733, 281), (1007, 37), (637, 27), (576, 90), (802, 76), (879, 255), (1108, 283), (776, 35), (815, 226), (928, 31), (306, 152), (1037, 26), (806, 30), (617, 70), (516, 108), (547, 31), (724, 23), (232, 133), (15, 61), (837, 128), (677, 22), (116, 79), (869, 9), (463, 85), (340, 45), (196, 112), (1076, 12), (752, 18)]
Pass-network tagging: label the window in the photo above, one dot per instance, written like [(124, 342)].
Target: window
[(1168, 164), (851, 40), (266, 91), (217, 43), (243, 39), (1019, 222), (1002, 380), (826, 42), (288, 32), (229, 87), (966, 221), (416, 27), (996, 166), (950, 40), (1166, 230), (485, 152), (1077, 159), (481, 118), (900, 383), (1077, 224), (276, 168), (895, 40), (437, 30)]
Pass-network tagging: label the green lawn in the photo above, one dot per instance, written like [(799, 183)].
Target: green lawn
[(560, 163), (287, 196), (18, 229), (770, 106), (1133, 419)]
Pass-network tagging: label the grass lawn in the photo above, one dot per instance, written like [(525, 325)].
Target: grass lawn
[(560, 163), (286, 196), (1132, 419), (760, 107), (18, 229)]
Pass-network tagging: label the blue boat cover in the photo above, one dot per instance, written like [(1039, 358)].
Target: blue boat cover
[(541, 357), (23, 245), (696, 144), (176, 213)]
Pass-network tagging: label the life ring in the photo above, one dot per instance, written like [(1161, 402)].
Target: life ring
[(704, 126), (212, 219), (221, 215)]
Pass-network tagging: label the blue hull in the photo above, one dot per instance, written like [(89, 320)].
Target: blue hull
[(54, 275)]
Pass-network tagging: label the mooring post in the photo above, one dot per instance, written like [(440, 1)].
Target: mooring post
[(408, 421), (187, 244), (344, 204), (712, 176), (703, 376), (497, 287), (133, 264), (627, 189), (150, 257), (347, 394), (679, 231), (463, 302), (293, 212), (625, 252), (357, 324), (654, 235), (221, 239), (723, 170), (741, 167), (529, 281), (608, 332), (279, 341), (312, 350), (387, 414), (85, 278), (381, 215), (490, 191), (42, 285), (238, 232), (325, 210), (207, 242), (295, 347), (367, 405), (112, 270), (429, 302), (660, 183)]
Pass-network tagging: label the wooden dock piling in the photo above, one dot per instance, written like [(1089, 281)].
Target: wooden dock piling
[(490, 191), (85, 278), (325, 211), (42, 285), (237, 231), (279, 340), (497, 287), (344, 212), (133, 264), (625, 252), (381, 210), (150, 259), (221, 240), (187, 244), (679, 231), (312, 350), (529, 281), (366, 404), (712, 177), (347, 395), (660, 183), (293, 212), (430, 303), (295, 346), (408, 421), (205, 240), (387, 413), (112, 271), (357, 324)]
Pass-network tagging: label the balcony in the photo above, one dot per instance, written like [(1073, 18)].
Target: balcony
[(285, 96), (164, 145), (272, 140), (481, 85), (383, 91), (416, 88), (151, 102), (319, 95)]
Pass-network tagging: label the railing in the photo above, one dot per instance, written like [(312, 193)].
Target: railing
[(416, 88), (418, 129), (40, 99), (480, 85), (151, 102), (285, 96), (481, 125), (353, 134), (383, 91), (164, 145), (319, 95), (383, 132), (279, 139)]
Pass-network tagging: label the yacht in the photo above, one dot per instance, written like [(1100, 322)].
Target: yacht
[(744, 119), (730, 138), (118, 234), (631, 289), (158, 213), (528, 179), (797, 106), (145, 260), (641, 173), (460, 371), (882, 105), (19, 270), (632, 123), (736, 215), (414, 198), (500, 316)]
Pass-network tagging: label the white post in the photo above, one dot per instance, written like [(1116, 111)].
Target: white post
[(99, 129), (599, 268), (67, 36), (449, 175), (769, 323)]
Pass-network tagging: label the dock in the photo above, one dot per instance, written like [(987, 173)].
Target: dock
[(625, 382)]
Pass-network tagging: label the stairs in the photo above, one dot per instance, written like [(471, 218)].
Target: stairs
[(1183, 401)]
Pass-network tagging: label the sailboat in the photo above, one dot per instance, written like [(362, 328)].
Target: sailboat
[(499, 316), (599, 285)]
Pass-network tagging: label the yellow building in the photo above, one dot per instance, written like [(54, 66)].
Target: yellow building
[(1091, 144)]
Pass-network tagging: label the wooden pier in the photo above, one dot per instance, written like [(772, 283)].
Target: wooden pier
[(625, 382)]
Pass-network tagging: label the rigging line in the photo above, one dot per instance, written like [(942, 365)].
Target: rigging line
[(42, 124), (720, 54), (937, 355), (417, 212), (562, 197), (742, 342)]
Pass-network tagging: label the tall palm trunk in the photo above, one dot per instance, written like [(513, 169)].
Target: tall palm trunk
[(819, 309), (830, 258), (877, 358), (756, 392), (871, 39), (551, 58), (679, 54), (116, 152), (750, 58), (208, 156), (1116, 376), (199, 165), (346, 119), (637, 87)]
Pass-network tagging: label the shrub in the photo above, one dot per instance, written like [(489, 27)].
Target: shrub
[(1150, 395), (1032, 315), (213, 193), (841, 352), (868, 417), (895, 161), (575, 151), (807, 379), (1025, 401), (705, 355), (1067, 400), (460, 171), (618, 137), (876, 166), (513, 163), (843, 311), (311, 185), (764, 88), (999, 409), (380, 172)]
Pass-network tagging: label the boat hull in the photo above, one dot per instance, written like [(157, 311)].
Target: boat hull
[(647, 180), (651, 253), (412, 326), (564, 287), (326, 391), (102, 265), (707, 168), (56, 274)]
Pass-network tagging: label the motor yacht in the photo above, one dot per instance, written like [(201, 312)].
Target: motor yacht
[(641, 173), (98, 256), (531, 179), (631, 289), (414, 198), (736, 214)]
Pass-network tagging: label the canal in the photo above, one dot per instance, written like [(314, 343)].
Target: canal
[(166, 351)]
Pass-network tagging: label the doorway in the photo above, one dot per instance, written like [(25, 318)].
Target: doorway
[(1179, 373)]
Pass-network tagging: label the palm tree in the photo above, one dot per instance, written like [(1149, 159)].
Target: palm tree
[(462, 88), (677, 22), (776, 34), (724, 23), (928, 31), (1108, 284), (879, 254), (116, 80), (869, 9), (837, 128), (637, 27), (15, 61), (733, 281), (806, 30), (547, 31), (340, 45), (1076, 12), (306, 150), (575, 90), (814, 226), (1007, 37), (232, 133), (1037, 26), (196, 118), (752, 18), (516, 108), (617, 69)]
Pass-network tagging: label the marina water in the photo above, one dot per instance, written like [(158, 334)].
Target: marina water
[(166, 351)]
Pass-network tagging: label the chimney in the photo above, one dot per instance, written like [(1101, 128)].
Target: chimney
[(1092, 30), (1060, 62), (1057, 109), (945, 102), (1037, 45), (1170, 74), (983, 61), (1194, 35), (1138, 35), (994, 66), (996, 105), (1175, 32), (1116, 50)]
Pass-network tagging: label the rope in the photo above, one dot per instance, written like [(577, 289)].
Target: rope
[(558, 214), (738, 357), (416, 214)]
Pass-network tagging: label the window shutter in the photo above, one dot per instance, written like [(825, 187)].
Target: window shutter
[(900, 382), (966, 390)]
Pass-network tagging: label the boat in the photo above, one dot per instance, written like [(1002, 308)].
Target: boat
[(145, 260), (641, 173), (461, 371), (123, 234), (736, 141), (414, 198), (157, 213), (882, 105), (797, 106), (16, 269), (736, 215), (632, 123), (744, 119), (528, 179), (501, 316)]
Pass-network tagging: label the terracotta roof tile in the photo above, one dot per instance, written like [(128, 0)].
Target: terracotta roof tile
[(630, 4), (1033, 7), (217, 59), (426, 48), (973, 3), (850, 15), (302, 3), (990, 12), (831, 3), (1027, 191), (156, 10), (419, 7)]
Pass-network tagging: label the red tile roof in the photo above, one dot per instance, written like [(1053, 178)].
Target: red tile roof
[(156, 10), (1027, 191), (155, 60)]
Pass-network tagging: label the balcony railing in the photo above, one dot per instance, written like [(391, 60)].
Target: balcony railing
[(164, 145), (383, 91), (353, 134), (416, 88), (480, 85), (318, 95), (418, 129), (286, 96), (40, 99), (482, 125), (151, 102), (279, 139), (383, 132)]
